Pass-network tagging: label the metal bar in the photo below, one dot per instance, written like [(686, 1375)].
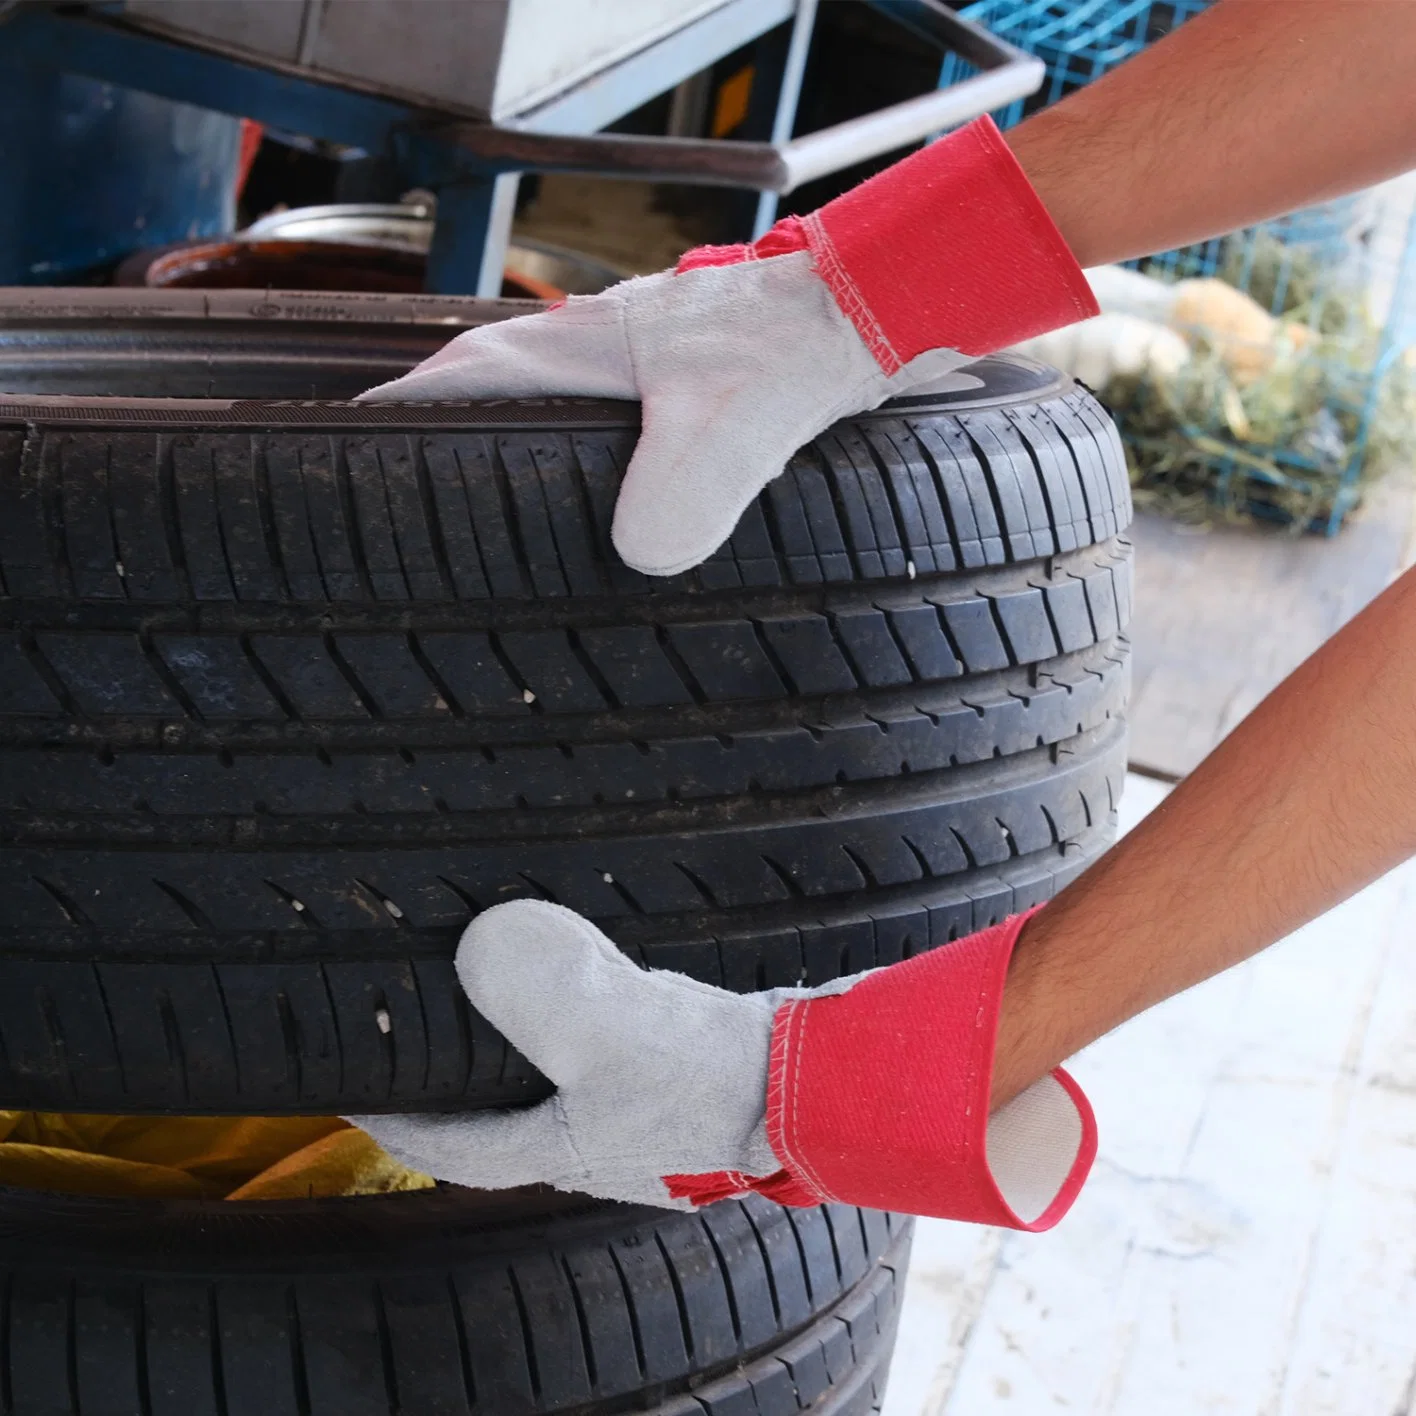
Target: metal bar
[(495, 239), (1008, 74), (700, 161), (889, 129), (765, 166), (788, 95)]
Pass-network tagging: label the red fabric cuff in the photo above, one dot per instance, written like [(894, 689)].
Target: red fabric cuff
[(950, 248), (879, 1096)]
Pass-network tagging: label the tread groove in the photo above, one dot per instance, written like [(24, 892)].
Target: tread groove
[(299, 1370), (676, 1284), (631, 1308)]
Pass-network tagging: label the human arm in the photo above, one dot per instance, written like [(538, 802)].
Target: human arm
[(1248, 110), (1311, 797)]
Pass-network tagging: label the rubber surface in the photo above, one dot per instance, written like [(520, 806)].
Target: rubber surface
[(443, 1304), (289, 691)]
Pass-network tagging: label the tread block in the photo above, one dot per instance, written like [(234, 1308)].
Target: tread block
[(726, 660), (176, 1042), (178, 1340), (369, 497), (261, 1348), (329, 521), (1067, 605), (38, 1347), (106, 1336), (22, 690), (291, 515), (27, 565), (426, 1352), (547, 663), (1026, 520), (532, 518), (873, 533), (828, 537), (89, 543), (217, 676), (385, 672), (866, 635), (920, 632), (948, 474), (107, 674), (807, 650), (972, 629), (915, 506), (501, 562), (473, 672), (308, 676), (1024, 620), (565, 511), (135, 489), (497, 1359), (341, 1346), (634, 666)]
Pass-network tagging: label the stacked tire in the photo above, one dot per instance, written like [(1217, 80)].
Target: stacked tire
[(289, 691)]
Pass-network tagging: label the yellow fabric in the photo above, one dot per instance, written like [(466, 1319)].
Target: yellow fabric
[(213, 1157), (348, 1162)]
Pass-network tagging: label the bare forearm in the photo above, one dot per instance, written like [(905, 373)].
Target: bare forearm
[(1309, 799), (1250, 109)]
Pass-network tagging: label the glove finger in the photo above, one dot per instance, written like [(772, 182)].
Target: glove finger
[(557, 988), (490, 1150), (577, 349), (698, 464)]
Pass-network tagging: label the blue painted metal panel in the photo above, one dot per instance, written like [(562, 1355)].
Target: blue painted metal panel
[(90, 172)]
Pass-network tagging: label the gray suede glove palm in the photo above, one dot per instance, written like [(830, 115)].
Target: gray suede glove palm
[(656, 1074)]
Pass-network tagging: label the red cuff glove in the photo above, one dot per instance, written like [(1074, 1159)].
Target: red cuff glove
[(878, 1096), (949, 248), (873, 1090), (746, 352)]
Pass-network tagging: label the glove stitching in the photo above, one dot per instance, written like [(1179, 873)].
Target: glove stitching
[(811, 1175), (623, 314), (846, 294), (786, 1101), (586, 1173)]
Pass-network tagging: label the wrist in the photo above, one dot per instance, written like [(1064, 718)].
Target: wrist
[(1040, 1023)]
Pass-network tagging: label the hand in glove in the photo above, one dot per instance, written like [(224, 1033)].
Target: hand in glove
[(745, 352), (872, 1090)]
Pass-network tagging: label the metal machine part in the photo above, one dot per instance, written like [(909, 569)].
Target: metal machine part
[(473, 164), (493, 57)]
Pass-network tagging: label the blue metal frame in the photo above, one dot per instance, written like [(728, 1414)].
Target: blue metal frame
[(475, 193)]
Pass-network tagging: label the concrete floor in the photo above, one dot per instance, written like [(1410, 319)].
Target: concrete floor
[(1247, 1243), (1223, 615)]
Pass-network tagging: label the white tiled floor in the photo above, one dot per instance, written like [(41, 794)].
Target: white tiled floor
[(1247, 1243)]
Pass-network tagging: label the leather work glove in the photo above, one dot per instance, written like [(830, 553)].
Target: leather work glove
[(743, 353), (872, 1090)]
